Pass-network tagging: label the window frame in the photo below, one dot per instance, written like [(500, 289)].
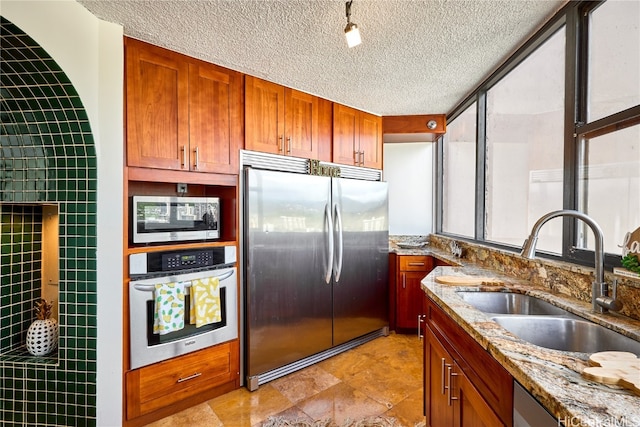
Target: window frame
[(574, 17)]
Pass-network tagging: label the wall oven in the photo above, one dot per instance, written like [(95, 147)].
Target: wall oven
[(170, 219), (150, 272)]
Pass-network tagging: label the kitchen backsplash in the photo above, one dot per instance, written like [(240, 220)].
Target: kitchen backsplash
[(566, 278)]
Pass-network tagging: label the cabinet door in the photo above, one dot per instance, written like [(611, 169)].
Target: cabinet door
[(409, 299), (471, 410), (438, 362), (346, 134), (370, 145), (301, 124), (325, 130), (264, 116), (215, 118), (157, 99)]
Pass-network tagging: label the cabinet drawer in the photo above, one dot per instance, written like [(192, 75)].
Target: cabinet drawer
[(152, 387), (415, 263)]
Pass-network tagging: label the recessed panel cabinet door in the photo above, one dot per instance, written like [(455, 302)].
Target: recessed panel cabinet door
[(301, 124), (370, 141), (264, 116), (157, 107), (215, 118), (471, 409), (346, 134), (438, 363)]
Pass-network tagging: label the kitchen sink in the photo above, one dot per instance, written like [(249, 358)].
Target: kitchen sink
[(567, 334), (511, 303)]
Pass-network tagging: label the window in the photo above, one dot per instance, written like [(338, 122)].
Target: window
[(524, 147), (609, 179), (558, 127), (459, 174), (614, 58)]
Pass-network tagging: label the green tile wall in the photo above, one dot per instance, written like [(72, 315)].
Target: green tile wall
[(47, 155), (20, 278)]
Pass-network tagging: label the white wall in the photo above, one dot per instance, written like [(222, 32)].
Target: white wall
[(408, 168), (90, 51)]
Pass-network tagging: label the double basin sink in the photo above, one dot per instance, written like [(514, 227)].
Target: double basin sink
[(541, 323)]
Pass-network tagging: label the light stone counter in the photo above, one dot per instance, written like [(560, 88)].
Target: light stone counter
[(551, 376)]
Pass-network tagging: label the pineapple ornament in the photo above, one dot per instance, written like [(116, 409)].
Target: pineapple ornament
[(42, 335)]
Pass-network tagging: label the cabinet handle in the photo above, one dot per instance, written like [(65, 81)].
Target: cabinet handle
[(404, 281), (280, 144), (356, 158), (442, 375), (184, 157), (362, 158), (416, 264), (450, 373), (197, 158), (421, 318), (190, 377), (288, 145)]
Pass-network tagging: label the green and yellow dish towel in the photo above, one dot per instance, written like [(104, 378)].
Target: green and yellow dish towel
[(205, 302), (169, 308)]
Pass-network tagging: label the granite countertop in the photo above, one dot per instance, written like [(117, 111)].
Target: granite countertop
[(552, 376)]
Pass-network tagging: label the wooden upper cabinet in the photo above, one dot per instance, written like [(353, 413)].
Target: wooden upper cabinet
[(157, 112), (301, 124), (280, 120), (357, 137), (370, 140), (181, 113), (215, 118), (346, 134), (264, 115)]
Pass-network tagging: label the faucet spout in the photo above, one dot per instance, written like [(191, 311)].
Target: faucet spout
[(599, 290)]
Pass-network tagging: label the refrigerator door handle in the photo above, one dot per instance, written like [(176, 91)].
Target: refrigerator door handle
[(339, 253), (330, 249)]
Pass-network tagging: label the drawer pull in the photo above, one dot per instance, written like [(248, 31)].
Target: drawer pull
[(416, 264), (190, 377)]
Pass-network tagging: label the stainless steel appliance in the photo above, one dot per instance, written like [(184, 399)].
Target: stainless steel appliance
[(528, 412), (169, 219), (151, 268), (316, 262)]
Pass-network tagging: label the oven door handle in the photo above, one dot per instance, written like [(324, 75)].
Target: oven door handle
[(150, 288)]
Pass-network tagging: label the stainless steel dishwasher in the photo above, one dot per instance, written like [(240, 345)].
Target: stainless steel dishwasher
[(528, 412)]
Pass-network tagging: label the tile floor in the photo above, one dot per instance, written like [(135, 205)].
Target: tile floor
[(380, 378)]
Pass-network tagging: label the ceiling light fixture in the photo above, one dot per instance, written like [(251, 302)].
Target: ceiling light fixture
[(351, 30)]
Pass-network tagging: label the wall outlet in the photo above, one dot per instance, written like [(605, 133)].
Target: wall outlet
[(182, 188)]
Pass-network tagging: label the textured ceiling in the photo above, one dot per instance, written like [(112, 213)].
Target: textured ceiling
[(416, 56)]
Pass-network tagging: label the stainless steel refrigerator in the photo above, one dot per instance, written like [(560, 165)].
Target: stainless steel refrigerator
[(316, 268)]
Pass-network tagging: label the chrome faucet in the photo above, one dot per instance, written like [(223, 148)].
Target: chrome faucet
[(600, 300)]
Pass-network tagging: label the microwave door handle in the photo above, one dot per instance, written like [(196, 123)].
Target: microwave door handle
[(150, 288)]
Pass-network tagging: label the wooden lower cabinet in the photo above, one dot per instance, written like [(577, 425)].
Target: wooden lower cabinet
[(411, 269), (193, 377), (464, 385)]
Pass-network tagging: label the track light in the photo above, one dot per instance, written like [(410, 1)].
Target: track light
[(351, 31)]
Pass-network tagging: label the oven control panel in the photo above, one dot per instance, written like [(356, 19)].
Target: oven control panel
[(193, 259), (179, 260)]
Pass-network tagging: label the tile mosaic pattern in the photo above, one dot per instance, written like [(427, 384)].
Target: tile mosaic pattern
[(20, 274), (381, 378), (47, 155)]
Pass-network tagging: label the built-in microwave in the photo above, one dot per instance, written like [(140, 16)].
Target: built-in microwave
[(171, 219)]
